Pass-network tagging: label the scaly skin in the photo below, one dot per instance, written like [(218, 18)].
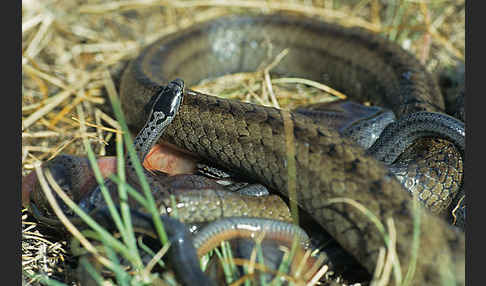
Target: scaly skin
[(250, 139), (207, 205), (362, 65)]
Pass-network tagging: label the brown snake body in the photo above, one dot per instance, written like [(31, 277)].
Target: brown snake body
[(250, 139)]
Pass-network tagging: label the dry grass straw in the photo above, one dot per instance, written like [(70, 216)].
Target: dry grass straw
[(67, 46), (40, 253), (60, 214), (292, 267)]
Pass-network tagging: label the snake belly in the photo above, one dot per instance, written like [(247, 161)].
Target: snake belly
[(250, 139)]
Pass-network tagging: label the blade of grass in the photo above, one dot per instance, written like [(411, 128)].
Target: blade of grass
[(122, 277), (260, 259), (106, 236), (62, 217), (415, 242), (302, 263), (91, 270), (129, 238), (105, 247), (147, 249), (131, 191), (174, 208), (43, 279), (398, 19), (251, 264), (134, 158), (396, 265), (247, 281), (98, 176), (365, 211), (379, 264), (284, 266), (391, 258), (155, 259), (258, 266), (315, 84), (277, 5), (318, 275), (291, 165), (226, 266), (314, 268), (228, 255)]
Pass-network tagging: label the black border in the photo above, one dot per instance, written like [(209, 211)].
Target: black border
[(473, 190), (12, 92)]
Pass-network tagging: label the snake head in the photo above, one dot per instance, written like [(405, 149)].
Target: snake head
[(164, 107), (74, 176), (169, 99)]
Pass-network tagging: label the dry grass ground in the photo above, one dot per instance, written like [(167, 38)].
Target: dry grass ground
[(67, 46)]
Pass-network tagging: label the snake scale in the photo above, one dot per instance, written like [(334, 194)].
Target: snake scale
[(250, 139)]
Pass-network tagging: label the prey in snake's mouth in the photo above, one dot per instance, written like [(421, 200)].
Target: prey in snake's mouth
[(77, 172)]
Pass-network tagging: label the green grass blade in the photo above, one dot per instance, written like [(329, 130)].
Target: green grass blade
[(152, 208), (99, 177), (91, 270), (44, 279), (147, 249), (415, 242), (122, 277), (131, 191), (261, 260), (129, 238)]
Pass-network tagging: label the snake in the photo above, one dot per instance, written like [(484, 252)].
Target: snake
[(250, 139)]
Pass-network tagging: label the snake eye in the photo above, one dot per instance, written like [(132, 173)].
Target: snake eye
[(170, 98)]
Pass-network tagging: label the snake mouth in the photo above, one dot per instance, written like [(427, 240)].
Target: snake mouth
[(80, 176), (73, 174)]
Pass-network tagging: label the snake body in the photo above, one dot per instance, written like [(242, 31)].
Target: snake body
[(250, 139)]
